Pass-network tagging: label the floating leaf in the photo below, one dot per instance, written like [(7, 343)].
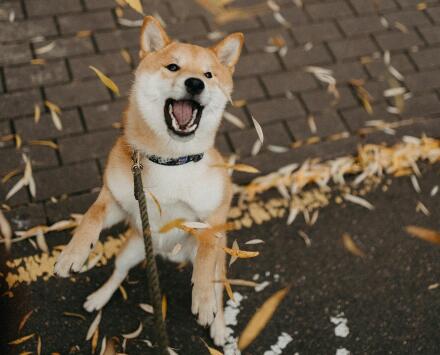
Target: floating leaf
[(106, 80), (425, 234), (260, 319), (22, 339), (228, 289), (351, 246), (238, 167), (135, 333), (94, 326), (258, 129), (175, 223)]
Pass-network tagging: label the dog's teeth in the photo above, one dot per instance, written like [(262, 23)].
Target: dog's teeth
[(194, 114)]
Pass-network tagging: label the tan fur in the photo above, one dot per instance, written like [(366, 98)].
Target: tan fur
[(146, 134)]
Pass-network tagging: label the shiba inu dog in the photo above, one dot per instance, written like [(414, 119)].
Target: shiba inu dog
[(175, 108)]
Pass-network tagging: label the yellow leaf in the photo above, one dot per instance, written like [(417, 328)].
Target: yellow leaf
[(241, 253), (24, 320), (212, 351), (164, 307), (76, 315), (351, 246), (238, 167), (9, 175), (126, 55), (39, 346), (135, 5), (37, 113), (18, 141), (22, 339), (38, 61), (155, 200), (261, 318), (52, 107), (175, 223), (425, 234), (228, 289), (106, 80), (49, 144), (95, 339)]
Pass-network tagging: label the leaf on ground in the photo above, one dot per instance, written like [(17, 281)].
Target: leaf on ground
[(135, 5), (351, 246), (24, 320), (5, 231), (258, 129), (135, 333), (212, 351), (236, 252), (238, 167), (164, 307), (106, 80), (46, 143), (425, 234), (123, 292), (146, 307), (94, 326), (76, 315), (22, 339), (261, 318), (228, 289), (155, 200)]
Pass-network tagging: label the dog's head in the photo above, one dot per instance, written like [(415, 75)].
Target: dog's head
[(181, 89)]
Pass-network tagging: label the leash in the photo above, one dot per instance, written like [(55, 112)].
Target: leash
[(152, 274)]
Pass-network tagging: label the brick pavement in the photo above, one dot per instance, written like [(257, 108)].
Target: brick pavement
[(346, 36)]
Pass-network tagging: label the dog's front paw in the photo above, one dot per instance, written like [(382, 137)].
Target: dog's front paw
[(218, 330), (71, 259), (204, 304)]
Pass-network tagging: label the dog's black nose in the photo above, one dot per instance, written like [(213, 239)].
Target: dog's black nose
[(194, 86)]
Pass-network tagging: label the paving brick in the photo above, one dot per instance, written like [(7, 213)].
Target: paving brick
[(185, 30), (293, 15), (336, 9), (66, 180), (23, 30), (78, 93), (351, 48), (222, 145), (321, 100), (25, 217), (105, 115), (41, 156), (244, 140), (398, 40), (414, 3), (294, 81), (234, 26), (11, 9), (118, 39), (87, 146), (425, 105), (109, 64), (298, 57), (276, 109), (357, 117), (361, 25), (86, 21), (376, 89), (434, 13), (45, 129), (258, 41), (367, 7), (378, 69), (14, 53), (247, 89), (408, 18), (11, 159), (347, 71), (316, 32), (67, 47), (327, 123), (36, 75), (124, 83), (57, 211), (257, 63), (51, 7), (18, 104), (427, 59), (423, 81), (431, 34), (5, 129), (99, 4)]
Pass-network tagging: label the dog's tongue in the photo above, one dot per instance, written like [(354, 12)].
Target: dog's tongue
[(182, 111)]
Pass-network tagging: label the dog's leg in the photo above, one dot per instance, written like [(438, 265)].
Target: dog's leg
[(103, 213), (218, 327), (204, 300), (132, 253)]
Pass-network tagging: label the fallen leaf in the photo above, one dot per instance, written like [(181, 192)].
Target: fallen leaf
[(106, 80), (164, 307), (261, 318), (212, 351), (55, 111), (94, 326), (155, 200), (39, 345), (254, 241), (135, 333), (233, 119), (95, 339), (228, 289), (425, 234), (76, 315), (146, 307), (24, 320), (126, 56), (258, 129), (351, 246), (37, 113), (123, 292), (238, 167), (5, 231), (241, 253), (22, 339), (175, 223), (46, 143), (359, 201)]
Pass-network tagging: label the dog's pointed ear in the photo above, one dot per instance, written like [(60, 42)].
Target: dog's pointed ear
[(153, 36), (229, 48)]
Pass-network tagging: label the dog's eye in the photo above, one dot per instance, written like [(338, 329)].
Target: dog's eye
[(172, 67), (208, 74)]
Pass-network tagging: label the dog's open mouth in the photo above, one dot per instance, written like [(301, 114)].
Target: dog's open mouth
[(182, 116)]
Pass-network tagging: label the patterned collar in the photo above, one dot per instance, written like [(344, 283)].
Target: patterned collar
[(175, 161)]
